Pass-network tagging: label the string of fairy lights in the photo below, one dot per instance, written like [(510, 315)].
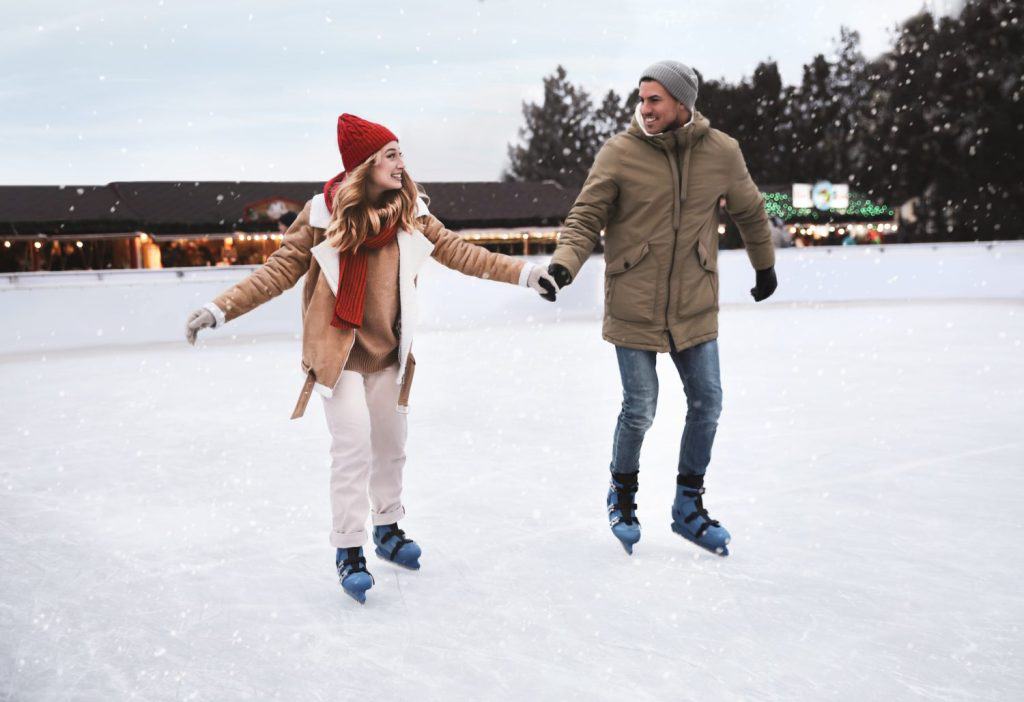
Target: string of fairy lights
[(860, 217), (781, 206)]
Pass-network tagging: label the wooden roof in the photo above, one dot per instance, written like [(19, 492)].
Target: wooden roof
[(164, 207)]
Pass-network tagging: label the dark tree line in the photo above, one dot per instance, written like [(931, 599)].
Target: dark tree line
[(937, 120), (563, 134)]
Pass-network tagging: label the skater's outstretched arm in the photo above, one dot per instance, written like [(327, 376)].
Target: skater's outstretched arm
[(282, 270), (587, 218), (453, 251)]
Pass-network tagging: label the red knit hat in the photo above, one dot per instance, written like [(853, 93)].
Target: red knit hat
[(358, 139)]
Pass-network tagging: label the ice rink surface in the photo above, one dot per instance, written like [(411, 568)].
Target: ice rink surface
[(163, 525)]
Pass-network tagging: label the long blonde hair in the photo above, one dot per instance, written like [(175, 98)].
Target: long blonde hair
[(354, 218)]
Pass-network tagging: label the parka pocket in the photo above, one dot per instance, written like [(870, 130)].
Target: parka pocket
[(699, 288), (704, 256), (709, 262), (630, 285)]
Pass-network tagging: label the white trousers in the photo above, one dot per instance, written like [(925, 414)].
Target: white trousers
[(367, 453)]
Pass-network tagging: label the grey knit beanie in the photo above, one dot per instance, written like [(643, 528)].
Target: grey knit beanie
[(679, 80)]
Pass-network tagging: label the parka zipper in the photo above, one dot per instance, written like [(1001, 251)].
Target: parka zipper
[(673, 161)]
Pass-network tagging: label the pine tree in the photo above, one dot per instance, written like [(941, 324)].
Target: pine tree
[(558, 141), (851, 96), (613, 116), (988, 198), (767, 149), (813, 119)]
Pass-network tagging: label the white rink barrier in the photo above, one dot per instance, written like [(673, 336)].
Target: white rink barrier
[(78, 309)]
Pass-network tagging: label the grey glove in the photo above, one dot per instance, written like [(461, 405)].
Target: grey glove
[(200, 319), (541, 281)]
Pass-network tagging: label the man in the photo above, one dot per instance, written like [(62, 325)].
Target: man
[(653, 190)]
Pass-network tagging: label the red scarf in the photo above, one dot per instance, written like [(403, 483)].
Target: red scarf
[(348, 306)]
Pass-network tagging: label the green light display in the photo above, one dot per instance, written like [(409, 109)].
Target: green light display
[(860, 209)]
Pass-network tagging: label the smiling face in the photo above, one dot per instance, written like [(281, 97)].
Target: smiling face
[(387, 173), (659, 110)]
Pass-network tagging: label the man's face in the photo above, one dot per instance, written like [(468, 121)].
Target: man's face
[(659, 110)]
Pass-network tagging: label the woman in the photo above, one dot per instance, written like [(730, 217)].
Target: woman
[(362, 243)]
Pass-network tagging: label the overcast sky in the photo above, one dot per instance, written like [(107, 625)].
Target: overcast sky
[(229, 90)]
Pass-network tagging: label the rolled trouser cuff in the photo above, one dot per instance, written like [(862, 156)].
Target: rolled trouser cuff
[(350, 539), (389, 517)]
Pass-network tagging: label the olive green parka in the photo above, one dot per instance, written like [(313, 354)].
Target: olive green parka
[(656, 197)]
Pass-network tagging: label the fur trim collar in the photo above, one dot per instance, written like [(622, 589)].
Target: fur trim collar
[(640, 121)]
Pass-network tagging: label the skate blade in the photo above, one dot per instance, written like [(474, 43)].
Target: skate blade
[(627, 544), (356, 595), (415, 565), (722, 551)]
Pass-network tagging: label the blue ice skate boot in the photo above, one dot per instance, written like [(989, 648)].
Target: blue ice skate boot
[(691, 521), (393, 546), (352, 573), (622, 510)]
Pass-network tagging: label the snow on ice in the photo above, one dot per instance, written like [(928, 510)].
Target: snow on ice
[(163, 525)]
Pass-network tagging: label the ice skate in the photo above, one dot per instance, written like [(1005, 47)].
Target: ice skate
[(691, 521), (352, 574), (392, 545), (622, 510)]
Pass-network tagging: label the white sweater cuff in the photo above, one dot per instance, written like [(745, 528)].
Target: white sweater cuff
[(218, 314), (524, 275)]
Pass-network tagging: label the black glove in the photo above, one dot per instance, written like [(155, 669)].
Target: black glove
[(549, 294), (560, 273), (764, 285)]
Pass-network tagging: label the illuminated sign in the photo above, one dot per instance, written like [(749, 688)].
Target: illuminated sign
[(270, 208), (823, 195)]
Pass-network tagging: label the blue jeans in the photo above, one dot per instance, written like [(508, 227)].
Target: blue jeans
[(699, 371)]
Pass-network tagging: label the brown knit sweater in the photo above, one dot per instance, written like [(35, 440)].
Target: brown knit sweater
[(376, 342)]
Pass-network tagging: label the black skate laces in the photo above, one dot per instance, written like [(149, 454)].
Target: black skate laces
[(700, 511), (354, 562), (625, 486), (393, 532)]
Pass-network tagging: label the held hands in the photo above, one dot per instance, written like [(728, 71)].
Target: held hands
[(541, 281), (561, 274), (200, 319), (548, 282), (764, 284)]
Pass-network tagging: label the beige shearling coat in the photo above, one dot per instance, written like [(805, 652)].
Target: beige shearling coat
[(305, 251)]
